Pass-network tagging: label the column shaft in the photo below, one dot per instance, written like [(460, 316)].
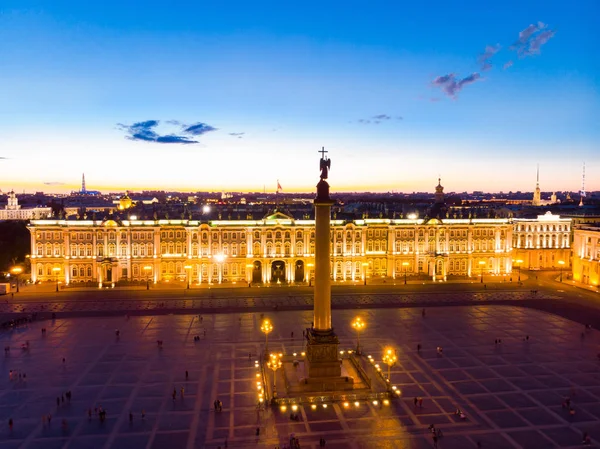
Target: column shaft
[(322, 306)]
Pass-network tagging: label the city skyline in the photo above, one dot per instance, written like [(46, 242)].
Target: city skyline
[(194, 98)]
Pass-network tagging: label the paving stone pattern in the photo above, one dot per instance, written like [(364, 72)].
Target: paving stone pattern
[(237, 303), (511, 392)]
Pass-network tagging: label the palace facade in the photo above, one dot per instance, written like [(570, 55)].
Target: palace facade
[(586, 255), (542, 243), (280, 249)]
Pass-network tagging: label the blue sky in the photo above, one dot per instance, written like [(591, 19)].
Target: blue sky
[(398, 93)]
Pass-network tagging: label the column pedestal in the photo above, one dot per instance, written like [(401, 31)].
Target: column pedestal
[(322, 354)]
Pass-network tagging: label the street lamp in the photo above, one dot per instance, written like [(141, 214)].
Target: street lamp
[(56, 271), (220, 258), (481, 264), (560, 262), (274, 363), (16, 271), (365, 265), (147, 269), (310, 266), (519, 262), (405, 265), (266, 327), (389, 358), (358, 324), (187, 274)]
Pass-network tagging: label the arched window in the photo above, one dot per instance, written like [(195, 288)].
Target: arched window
[(100, 249), (311, 248), (134, 250), (89, 271), (234, 249), (269, 249), (256, 249), (88, 249), (298, 235), (299, 248), (74, 271), (287, 249), (194, 249), (171, 248), (243, 249), (73, 250), (57, 249), (170, 234), (81, 250), (178, 248), (277, 248), (111, 250), (40, 270), (225, 249), (123, 250), (278, 235), (40, 249)]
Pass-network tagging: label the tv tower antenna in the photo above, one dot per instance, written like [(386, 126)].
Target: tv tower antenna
[(582, 186)]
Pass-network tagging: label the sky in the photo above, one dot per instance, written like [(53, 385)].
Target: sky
[(233, 96)]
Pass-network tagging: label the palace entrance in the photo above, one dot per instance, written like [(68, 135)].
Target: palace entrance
[(257, 272), (299, 271), (278, 271)]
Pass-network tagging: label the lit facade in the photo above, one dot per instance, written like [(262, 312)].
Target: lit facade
[(275, 249), (542, 243), (13, 210), (586, 255)]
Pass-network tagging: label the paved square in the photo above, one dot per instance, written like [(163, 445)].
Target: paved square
[(511, 392)]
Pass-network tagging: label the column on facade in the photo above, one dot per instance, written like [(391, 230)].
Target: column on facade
[(67, 256)]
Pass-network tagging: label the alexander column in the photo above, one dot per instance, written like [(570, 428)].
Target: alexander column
[(322, 353)]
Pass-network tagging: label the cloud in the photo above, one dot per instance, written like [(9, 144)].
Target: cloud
[(238, 135), (146, 132), (377, 119), (484, 58), (451, 86), (3, 158), (531, 39), (508, 65), (198, 129), (53, 183)]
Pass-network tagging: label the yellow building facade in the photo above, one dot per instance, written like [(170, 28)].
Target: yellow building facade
[(276, 249), (542, 243), (586, 255)]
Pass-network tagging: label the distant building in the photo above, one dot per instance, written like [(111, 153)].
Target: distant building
[(586, 254), (13, 211)]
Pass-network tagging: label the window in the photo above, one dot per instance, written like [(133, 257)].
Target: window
[(40, 249), (74, 272), (101, 250), (88, 250), (89, 271), (178, 248), (40, 270), (298, 235)]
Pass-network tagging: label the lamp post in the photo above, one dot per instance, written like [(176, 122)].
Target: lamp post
[(560, 262), (147, 269), (249, 270), (365, 265), (56, 270), (274, 363), (220, 258), (481, 264), (405, 265), (519, 262), (16, 271), (389, 358), (310, 267), (187, 274), (358, 324), (266, 327)]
